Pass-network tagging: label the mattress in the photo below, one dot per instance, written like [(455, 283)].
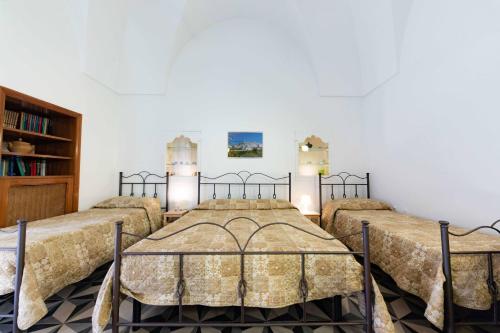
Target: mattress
[(212, 280), (65, 249), (408, 248)]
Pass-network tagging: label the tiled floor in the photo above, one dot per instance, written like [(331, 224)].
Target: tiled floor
[(70, 311)]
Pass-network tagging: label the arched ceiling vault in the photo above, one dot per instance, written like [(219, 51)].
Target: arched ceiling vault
[(130, 45)]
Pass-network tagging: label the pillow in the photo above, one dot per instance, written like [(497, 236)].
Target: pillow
[(152, 207), (357, 204), (331, 207), (128, 202), (225, 204)]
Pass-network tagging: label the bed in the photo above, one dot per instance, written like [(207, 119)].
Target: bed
[(238, 252), (37, 259), (410, 250)]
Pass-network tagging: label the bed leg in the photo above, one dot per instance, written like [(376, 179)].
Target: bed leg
[(199, 187), (337, 308), (20, 254), (449, 320), (368, 185), (367, 278), (320, 199), (136, 313), (289, 187), (492, 288), (242, 290), (115, 314), (167, 181), (120, 184)]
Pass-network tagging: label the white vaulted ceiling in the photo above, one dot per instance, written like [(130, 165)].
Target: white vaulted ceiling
[(130, 45)]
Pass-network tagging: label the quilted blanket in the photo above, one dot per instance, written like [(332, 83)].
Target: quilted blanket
[(408, 248), (65, 249), (212, 280)]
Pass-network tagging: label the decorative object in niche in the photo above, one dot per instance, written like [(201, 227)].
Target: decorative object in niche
[(313, 157), (306, 146), (182, 156), (244, 144)]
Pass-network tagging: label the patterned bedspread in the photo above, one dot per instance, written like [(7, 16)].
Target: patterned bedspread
[(409, 250), (212, 280), (65, 249)]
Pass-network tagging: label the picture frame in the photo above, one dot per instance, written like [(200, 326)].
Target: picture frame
[(245, 144)]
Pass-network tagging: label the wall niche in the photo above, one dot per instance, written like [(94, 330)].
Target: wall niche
[(182, 157), (313, 157)]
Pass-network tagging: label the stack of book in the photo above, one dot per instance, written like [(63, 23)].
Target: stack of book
[(16, 166), (10, 118), (32, 123)]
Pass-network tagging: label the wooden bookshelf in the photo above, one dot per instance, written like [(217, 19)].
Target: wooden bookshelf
[(42, 191)]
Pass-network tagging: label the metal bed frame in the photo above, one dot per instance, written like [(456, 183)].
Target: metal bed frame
[(241, 287), (141, 179), (450, 323), (20, 253), (242, 179), (335, 320), (342, 180)]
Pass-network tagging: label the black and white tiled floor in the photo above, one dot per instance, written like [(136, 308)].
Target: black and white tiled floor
[(70, 311)]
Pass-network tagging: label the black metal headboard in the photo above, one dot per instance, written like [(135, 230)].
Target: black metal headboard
[(343, 180), (143, 179), (241, 179)]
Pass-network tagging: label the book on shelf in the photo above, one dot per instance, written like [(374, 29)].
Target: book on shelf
[(34, 123), (10, 118), (7, 167), (17, 166), (20, 166), (4, 167)]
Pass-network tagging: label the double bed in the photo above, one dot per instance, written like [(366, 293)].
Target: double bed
[(242, 253), (37, 259), (410, 250)]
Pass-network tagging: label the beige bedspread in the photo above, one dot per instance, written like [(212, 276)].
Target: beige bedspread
[(409, 249), (211, 280), (65, 249)]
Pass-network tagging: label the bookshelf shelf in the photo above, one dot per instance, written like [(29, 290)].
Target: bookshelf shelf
[(28, 178), (315, 164), (17, 133), (46, 183), (40, 156)]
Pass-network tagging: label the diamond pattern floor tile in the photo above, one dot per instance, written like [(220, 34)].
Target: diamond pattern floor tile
[(70, 311), (399, 308)]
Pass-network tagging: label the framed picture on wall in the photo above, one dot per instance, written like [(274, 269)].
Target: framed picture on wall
[(244, 144)]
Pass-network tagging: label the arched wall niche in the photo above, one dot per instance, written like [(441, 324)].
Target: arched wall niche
[(182, 156), (313, 156)]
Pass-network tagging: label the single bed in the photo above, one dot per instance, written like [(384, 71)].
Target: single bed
[(37, 259), (244, 253), (410, 250)]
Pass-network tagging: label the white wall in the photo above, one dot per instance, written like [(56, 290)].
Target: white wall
[(241, 75), (429, 136), (39, 55), (432, 133)]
